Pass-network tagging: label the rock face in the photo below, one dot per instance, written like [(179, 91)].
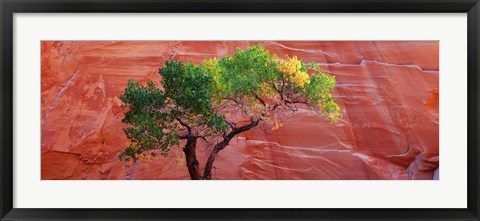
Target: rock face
[(389, 92)]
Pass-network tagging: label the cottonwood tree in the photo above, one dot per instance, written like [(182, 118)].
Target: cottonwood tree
[(215, 101)]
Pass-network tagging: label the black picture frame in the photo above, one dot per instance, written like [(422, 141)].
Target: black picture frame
[(9, 7)]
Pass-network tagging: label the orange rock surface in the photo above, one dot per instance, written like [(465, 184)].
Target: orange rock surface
[(388, 90)]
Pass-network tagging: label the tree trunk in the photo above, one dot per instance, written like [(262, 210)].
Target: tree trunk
[(207, 172), (191, 158)]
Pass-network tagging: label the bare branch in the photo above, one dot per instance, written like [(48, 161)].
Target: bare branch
[(231, 124), (282, 87), (189, 129), (238, 103), (260, 99), (295, 102), (203, 138), (274, 107)]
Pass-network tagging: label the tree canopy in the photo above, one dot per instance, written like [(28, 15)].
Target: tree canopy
[(218, 99)]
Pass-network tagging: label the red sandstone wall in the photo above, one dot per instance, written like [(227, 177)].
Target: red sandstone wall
[(389, 91)]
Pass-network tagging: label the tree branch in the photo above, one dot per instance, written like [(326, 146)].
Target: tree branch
[(243, 128), (238, 104), (282, 87), (295, 102), (189, 129), (231, 124), (203, 138), (274, 107), (260, 99)]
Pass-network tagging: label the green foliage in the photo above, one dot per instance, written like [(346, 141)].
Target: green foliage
[(189, 89), (194, 99), (242, 73), (188, 86), (150, 123)]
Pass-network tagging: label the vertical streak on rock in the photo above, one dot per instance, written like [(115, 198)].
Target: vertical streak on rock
[(132, 171), (64, 87)]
